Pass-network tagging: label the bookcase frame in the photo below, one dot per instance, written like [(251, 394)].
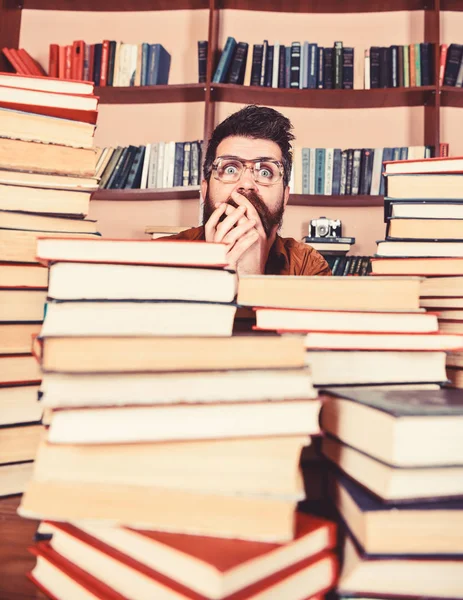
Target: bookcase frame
[(432, 98)]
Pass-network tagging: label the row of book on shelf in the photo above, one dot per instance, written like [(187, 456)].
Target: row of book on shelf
[(154, 166), (309, 66)]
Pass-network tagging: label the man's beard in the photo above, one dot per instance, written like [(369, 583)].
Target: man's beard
[(269, 218)]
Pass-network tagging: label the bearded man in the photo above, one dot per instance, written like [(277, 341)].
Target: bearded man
[(246, 172)]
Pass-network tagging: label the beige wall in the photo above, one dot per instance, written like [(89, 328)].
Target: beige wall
[(179, 31)]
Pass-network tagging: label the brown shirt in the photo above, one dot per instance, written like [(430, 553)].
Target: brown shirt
[(286, 256)]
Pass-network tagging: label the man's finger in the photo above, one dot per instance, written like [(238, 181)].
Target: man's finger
[(251, 211), (243, 244), (211, 224), (228, 223), (237, 232)]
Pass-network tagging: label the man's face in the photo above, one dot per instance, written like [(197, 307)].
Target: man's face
[(268, 200)]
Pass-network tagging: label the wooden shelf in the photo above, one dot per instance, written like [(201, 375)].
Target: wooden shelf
[(317, 200), (111, 5), (452, 96), (456, 5), (377, 98), (325, 6), (189, 193), (151, 94)]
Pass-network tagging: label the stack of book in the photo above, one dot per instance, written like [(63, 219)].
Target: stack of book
[(173, 447), (47, 165), (397, 484), (111, 63), (22, 62), (358, 330), (158, 165), (424, 236)]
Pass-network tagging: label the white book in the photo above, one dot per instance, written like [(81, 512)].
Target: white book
[(359, 69), (160, 165), (312, 163), (377, 171), (169, 165), (133, 63), (139, 65), (406, 66), (367, 70), (276, 65), (303, 71), (145, 170), (297, 169), (329, 159), (153, 167), (125, 60), (117, 61)]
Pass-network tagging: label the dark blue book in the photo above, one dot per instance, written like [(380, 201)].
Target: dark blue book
[(269, 67), (374, 67), (452, 64), (145, 52), (159, 65), (221, 71), (178, 164), (403, 153), (282, 67), (320, 154), (134, 177), (295, 65), (288, 67), (121, 179), (312, 67), (238, 65), (337, 160), (384, 68), (387, 155), (257, 55), (202, 60), (366, 171), (111, 58), (427, 63), (320, 67), (349, 171), (348, 68), (328, 69), (337, 65), (97, 63), (394, 66)]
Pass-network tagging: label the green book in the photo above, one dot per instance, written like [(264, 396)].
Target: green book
[(406, 66), (418, 64)]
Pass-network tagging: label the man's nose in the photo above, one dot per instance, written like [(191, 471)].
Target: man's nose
[(246, 180)]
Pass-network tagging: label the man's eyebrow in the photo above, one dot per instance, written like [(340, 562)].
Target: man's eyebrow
[(261, 158)]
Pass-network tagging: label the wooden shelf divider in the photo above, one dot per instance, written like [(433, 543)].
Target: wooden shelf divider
[(183, 193), (152, 94)]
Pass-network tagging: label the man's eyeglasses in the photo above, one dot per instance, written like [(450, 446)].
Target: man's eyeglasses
[(229, 169)]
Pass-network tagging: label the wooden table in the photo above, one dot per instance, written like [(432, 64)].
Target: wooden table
[(16, 534)]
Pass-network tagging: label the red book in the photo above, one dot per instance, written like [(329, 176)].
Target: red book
[(15, 61), (104, 63), (62, 62), (90, 61), (444, 150), (443, 59), (77, 60), (53, 61), (68, 62), (31, 64)]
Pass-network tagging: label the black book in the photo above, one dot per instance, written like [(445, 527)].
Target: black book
[(349, 170), (366, 171), (97, 63), (282, 67), (321, 67), (121, 179), (427, 63), (295, 64), (338, 66), (400, 67), (328, 81), (202, 60), (348, 68), (111, 58), (394, 66), (337, 165), (269, 67), (134, 178), (452, 65), (374, 67), (117, 167), (194, 163), (178, 164), (257, 56), (343, 180), (238, 65), (384, 68)]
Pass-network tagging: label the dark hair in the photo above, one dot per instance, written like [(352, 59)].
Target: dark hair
[(257, 122)]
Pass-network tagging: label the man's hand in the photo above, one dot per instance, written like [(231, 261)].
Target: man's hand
[(242, 231)]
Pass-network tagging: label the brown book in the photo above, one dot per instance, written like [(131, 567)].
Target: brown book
[(329, 293), (31, 127), (319, 572), (47, 158), (19, 404), (138, 354), (19, 369), (19, 442), (259, 518), (33, 222), (23, 275), (207, 567), (20, 305), (17, 338), (21, 246), (417, 266), (15, 477), (265, 465), (425, 229)]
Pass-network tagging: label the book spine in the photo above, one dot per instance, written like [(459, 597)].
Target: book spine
[(269, 67), (86, 72), (312, 169), (366, 77), (374, 67), (336, 179), (366, 170), (427, 63), (15, 61), (328, 183), (237, 63), (135, 169), (312, 69), (186, 163), (348, 68), (104, 63), (202, 60), (146, 163), (328, 70), (343, 177), (305, 170), (162, 66), (400, 66), (384, 79), (244, 62), (349, 168), (68, 62), (320, 67), (406, 66), (91, 56), (418, 64), (225, 61), (356, 172), (295, 64), (442, 62), (282, 67), (97, 63), (160, 165), (303, 71), (145, 52), (387, 155), (288, 66), (264, 63), (412, 63), (338, 66), (359, 69), (257, 55), (78, 51), (376, 171), (153, 167), (194, 164), (178, 168), (53, 61), (394, 66), (320, 171), (111, 61)]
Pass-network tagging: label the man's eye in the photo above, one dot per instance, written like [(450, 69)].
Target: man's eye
[(230, 170), (265, 172)]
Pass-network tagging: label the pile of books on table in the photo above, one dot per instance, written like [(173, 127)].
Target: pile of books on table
[(171, 462), (424, 213), (47, 167)]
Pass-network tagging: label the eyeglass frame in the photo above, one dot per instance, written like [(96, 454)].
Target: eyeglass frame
[(246, 165)]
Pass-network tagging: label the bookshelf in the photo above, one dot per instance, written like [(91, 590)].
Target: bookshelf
[(213, 101)]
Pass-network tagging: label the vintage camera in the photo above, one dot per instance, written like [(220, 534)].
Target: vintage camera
[(325, 228)]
